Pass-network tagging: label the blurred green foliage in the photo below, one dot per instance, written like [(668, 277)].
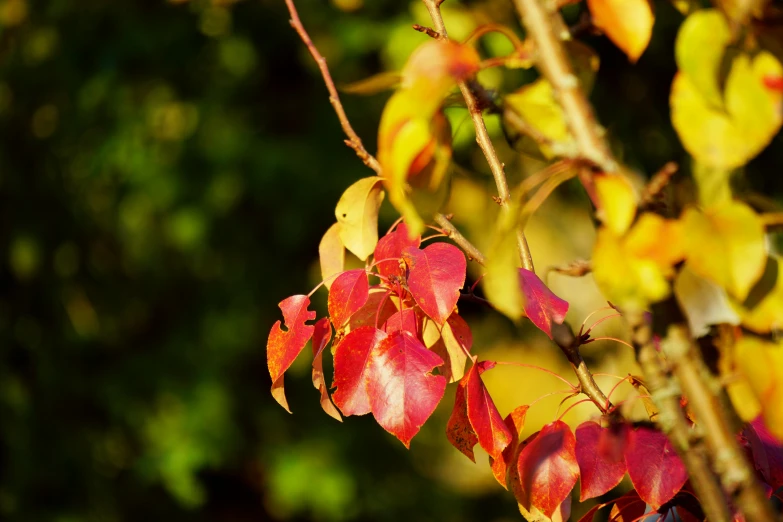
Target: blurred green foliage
[(166, 171)]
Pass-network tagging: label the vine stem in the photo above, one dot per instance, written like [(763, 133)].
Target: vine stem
[(475, 109)]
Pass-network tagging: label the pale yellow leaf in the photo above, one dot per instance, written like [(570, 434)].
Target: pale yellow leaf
[(703, 302), (627, 23), (331, 254), (501, 282), (357, 214), (725, 244)]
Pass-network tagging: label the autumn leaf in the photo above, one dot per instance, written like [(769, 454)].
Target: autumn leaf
[(726, 244), (402, 390), (349, 292), (492, 432), (322, 334), (600, 454), (436, 275), (627, 23), (351, 366), (548, 469), (767, 453), (459, 431), (618, 201), (375, 312), (507, 465), (761, 363), (655, 469), (542, 306), (390, 248), (331, 254), (357, 214), (561, 514), (501, 282), (405, 319), (283, 346), (701, 42), (628, 508), (451, 343)]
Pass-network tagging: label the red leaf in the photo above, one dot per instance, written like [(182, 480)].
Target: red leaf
[(390, 247), (515, 421), (452, 345), (628, 508), (436, 275), (348, 293), (402, 320), (590, 515), (655, 469), (321, 337), (283, 346), (548, 469), (458, 430), (375, 311), (541, 305), (767, 453), (599, 452), (351, 368), (402, 390), (492, 432)]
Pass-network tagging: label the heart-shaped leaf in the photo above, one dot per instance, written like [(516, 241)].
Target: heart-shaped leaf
[(600, 454), (542, 306), (402, 390), (435, 277), (357, 214), (351, 367), (283, 346), (655, 469), (390, 247), (349, 292)]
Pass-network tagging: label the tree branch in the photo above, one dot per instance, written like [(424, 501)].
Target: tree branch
[(482, 138)]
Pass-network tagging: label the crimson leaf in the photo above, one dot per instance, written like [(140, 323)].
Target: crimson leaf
[(547, 466), (348, 293), (403, 392), (458, 430), (283, 346), (655, 469), (390, 248), (435, 277), (351, 364), (767, 453), (599, 452), (492, 432), (321, 337), (542, 306)]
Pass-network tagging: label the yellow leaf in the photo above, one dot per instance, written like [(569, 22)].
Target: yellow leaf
[(357, 214), (627, 23), (618, 201), (331, 254), (703, 302), (725, 244), (761, 363), (727, 140), (656, 239), (501, 282), (699, 49), (536, 104), (767, 315)]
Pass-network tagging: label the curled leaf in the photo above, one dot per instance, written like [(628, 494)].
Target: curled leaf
[(322, 334), (459, 431), (493, 434)]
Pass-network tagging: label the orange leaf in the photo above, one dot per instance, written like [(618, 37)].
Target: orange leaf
[(627, 23)]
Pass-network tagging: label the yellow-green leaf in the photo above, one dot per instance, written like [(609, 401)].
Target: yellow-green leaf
[(627, 23), (535, 103), (699, 49), (501, 282), (761, 363), (618, 201), (725, 244), (331, 254), (357, 214)]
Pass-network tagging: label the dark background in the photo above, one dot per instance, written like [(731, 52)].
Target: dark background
[(166, 172)]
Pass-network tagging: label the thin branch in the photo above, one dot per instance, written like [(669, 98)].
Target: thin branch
[(659, 181), (475, 109), (541, 24), (735, 472), (455, 235)]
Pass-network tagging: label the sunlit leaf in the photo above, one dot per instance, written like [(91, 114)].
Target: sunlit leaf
[(628, 23), (283, 346), (348, 294), (375, 312), (701, 42), (351, 366), (561, 514), (655, 469), (600, 454), (628, 508), (548, 469), (501, 282), (459, 431), (452, 344), (402, 390), (331, 254), (726, 245), (761, 363), (703, 302), (322, 334), (505, 467), (357, 214), (390, 247), (436, 275), (618, 201), (542, 306), (535, 103), (405, 319), (492, 432)]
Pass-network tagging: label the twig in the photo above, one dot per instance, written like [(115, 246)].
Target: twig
[(541, 24), (671, 418), (482, 138), (735, 472), (576, 268), (455, 235), (432, 33), (652, 191)]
